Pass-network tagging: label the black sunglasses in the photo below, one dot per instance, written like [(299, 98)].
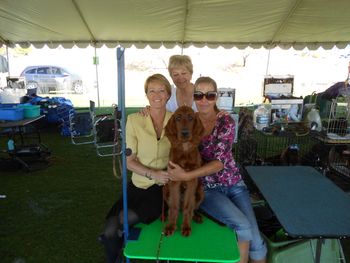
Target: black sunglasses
[(210, 95)]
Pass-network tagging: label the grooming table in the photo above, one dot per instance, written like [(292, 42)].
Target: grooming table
[(17, 127), (208, 242), (307, 204), (23, 150)]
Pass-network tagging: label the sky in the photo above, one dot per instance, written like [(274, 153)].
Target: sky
[(242, 70)]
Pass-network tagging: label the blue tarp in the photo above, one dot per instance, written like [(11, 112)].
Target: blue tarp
[(56, 110)]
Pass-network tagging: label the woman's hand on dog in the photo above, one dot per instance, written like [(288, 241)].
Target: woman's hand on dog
[(160, 176), (176, 173)]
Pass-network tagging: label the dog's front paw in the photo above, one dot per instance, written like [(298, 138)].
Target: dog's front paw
[(169, 230), (197, 218), (186, 231)]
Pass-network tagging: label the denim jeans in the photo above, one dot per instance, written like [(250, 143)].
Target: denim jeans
[(231, 205)]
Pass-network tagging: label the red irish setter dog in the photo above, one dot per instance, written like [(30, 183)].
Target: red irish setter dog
[(184, 131)]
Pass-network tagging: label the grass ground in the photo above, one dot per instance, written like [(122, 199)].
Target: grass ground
[(56, 214)]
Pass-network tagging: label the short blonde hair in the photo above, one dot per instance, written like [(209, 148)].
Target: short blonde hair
[(158, 78), (176, 61)]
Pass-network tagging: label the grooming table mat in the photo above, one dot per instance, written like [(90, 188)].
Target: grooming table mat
[(307, 204), (208, 242)]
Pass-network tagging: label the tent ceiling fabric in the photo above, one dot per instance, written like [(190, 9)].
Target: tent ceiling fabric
[(213, 23)]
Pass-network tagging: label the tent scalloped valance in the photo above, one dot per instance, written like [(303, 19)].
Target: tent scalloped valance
[(169, 23)]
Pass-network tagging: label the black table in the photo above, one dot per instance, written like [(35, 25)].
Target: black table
[(15, 129), (306, 203)]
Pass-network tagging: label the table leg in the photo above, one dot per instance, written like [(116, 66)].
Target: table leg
[(20, 130), (319, 244), (25, 165)]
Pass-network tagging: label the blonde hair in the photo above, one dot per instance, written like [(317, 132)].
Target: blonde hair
[(158, 78), (176, 61), (208, 80)]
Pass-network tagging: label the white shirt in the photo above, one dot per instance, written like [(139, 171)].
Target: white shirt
[(172, 105)]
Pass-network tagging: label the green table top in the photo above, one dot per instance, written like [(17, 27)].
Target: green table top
[(208, 242)]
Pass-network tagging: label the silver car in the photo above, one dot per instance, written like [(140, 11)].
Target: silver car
[(48, 79)]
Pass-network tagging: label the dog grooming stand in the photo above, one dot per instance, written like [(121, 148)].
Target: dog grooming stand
[(208, 242)]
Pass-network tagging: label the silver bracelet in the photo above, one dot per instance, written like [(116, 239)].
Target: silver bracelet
[(148, 175)]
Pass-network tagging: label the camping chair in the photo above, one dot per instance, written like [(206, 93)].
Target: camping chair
[(81, 125), (106, 130), (101, 130)]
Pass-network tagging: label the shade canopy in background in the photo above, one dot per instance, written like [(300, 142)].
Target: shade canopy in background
[(213, 23)]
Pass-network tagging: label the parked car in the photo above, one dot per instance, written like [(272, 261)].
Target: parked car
[(51, 78)]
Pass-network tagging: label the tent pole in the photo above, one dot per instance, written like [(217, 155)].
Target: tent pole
[(268, 62), (8, 61), (96, 73), (121, 105)]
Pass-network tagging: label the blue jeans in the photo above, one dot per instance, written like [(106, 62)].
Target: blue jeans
[(231, 205)]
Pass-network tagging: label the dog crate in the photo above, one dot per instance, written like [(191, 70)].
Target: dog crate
[(335, 134), (339, 159), (285, 148), (336, 120)]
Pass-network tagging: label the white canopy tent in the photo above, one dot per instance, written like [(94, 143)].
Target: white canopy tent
[(180, 23), (212, 23), (227, 23)]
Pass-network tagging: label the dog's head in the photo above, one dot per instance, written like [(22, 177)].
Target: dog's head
[(184, 126), (290, 155)]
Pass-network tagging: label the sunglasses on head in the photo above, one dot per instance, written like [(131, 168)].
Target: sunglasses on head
[(210, 95)]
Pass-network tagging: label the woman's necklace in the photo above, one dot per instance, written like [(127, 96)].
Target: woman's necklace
[(158, 124)]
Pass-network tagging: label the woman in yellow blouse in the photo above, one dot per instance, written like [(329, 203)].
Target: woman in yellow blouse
[(148, 162)]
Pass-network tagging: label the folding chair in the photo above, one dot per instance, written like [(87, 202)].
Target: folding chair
[(81, 125), (106, 130), (101, 130)]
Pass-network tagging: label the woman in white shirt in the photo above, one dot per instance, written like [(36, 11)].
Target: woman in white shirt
[(180, 69)]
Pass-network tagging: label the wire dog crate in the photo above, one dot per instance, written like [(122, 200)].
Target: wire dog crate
[(271, 148), (283, 149), (335, 134), (336, 120), (339, 159)]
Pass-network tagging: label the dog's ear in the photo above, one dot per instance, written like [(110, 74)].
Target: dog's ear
[(170, 130), (198, 129)]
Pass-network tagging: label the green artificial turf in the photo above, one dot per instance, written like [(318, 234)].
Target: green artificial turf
[(56, 214)]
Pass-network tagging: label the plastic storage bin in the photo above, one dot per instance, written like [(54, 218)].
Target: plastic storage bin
[(11, 114), (30, 111), (282, 249), (8, 105)]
